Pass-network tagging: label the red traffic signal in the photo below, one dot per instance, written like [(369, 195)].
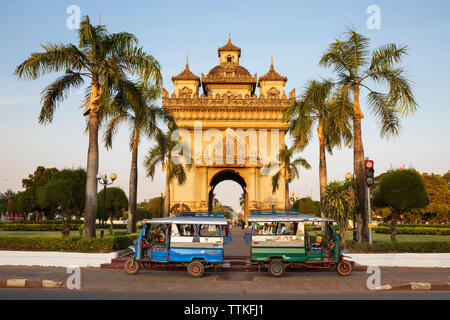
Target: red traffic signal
[(370, 173)]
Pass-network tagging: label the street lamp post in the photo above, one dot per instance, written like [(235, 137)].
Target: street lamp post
[(104, 181), (162, 208)]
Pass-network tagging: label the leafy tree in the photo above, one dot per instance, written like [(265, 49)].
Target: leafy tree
[(288, 169), (153, 206), (33, 186), (340, 204), (142, 214), (104, 60), (438, 208), (66, 192), (359, 71), (5, 198), (142, 116), (446, 177), (307, 206), (23, 203), (161, 153), (116, 202), (331, 113), (401, 191), (217, 206)]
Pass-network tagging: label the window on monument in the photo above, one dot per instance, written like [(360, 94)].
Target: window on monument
[(229, 59)]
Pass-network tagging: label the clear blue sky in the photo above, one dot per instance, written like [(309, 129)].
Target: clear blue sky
[(295, 32)]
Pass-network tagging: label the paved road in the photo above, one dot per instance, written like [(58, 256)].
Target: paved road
[(87, 294), (116, 284)]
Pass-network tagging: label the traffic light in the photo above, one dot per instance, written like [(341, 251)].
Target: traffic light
[(370, 173)]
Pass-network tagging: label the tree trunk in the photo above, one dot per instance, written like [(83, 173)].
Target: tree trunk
[(286, 188), (91, 178), (92, 165), (358, 168), (167, 198), (322, 169), (111, 223), (131, 228), (393, 223)]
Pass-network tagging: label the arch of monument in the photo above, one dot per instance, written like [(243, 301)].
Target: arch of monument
[(231, 133)]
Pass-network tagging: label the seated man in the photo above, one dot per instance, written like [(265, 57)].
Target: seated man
[(284, 230)]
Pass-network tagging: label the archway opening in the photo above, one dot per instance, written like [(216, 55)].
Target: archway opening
[(241, 198)]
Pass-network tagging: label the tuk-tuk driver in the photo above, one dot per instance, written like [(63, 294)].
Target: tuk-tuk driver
[(160, 236)]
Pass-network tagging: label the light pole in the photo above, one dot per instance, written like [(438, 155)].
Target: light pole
[(104, 181), (162, 208)]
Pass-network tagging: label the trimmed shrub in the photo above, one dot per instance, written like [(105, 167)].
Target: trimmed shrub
[(52, 225), (37, 227), (399, 247), (442, 226), (414, 230), (76, 221), (107, 244)]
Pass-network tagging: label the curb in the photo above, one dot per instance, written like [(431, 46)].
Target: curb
[(421, 286), (28, 283)]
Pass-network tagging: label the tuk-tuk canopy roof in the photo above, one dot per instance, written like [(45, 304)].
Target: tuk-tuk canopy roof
[(188, 220), (286, 218)]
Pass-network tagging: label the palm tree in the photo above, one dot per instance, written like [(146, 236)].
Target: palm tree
[(288, 170), (340, 203), (142, 115), (332, 114), (161, 153), (104, 60), (359, 69)]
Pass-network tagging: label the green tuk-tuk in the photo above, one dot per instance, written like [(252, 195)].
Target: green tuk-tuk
[(283, 239)]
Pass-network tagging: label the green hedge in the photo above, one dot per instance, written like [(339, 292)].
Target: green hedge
[(440, 226), (107, 244), (54, 226), (37, 227), (399, 247), (413, 230), (76, 221)]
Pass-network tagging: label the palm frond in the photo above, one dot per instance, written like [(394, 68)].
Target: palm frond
[(56, 92), (385, 112), (55, 58)]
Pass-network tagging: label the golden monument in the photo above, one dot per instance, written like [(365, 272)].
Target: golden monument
[(232, 133)]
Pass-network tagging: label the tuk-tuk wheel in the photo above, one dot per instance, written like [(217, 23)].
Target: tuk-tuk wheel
[(132, 267), (195, 269), (344, 268), (276, 269)]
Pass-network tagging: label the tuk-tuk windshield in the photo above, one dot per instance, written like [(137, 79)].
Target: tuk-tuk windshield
[(278, 228), (202, 230)]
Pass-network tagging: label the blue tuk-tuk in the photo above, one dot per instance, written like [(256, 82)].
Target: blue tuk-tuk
[(191, 239)]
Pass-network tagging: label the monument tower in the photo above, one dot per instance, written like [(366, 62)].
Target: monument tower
[(232, 133)]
